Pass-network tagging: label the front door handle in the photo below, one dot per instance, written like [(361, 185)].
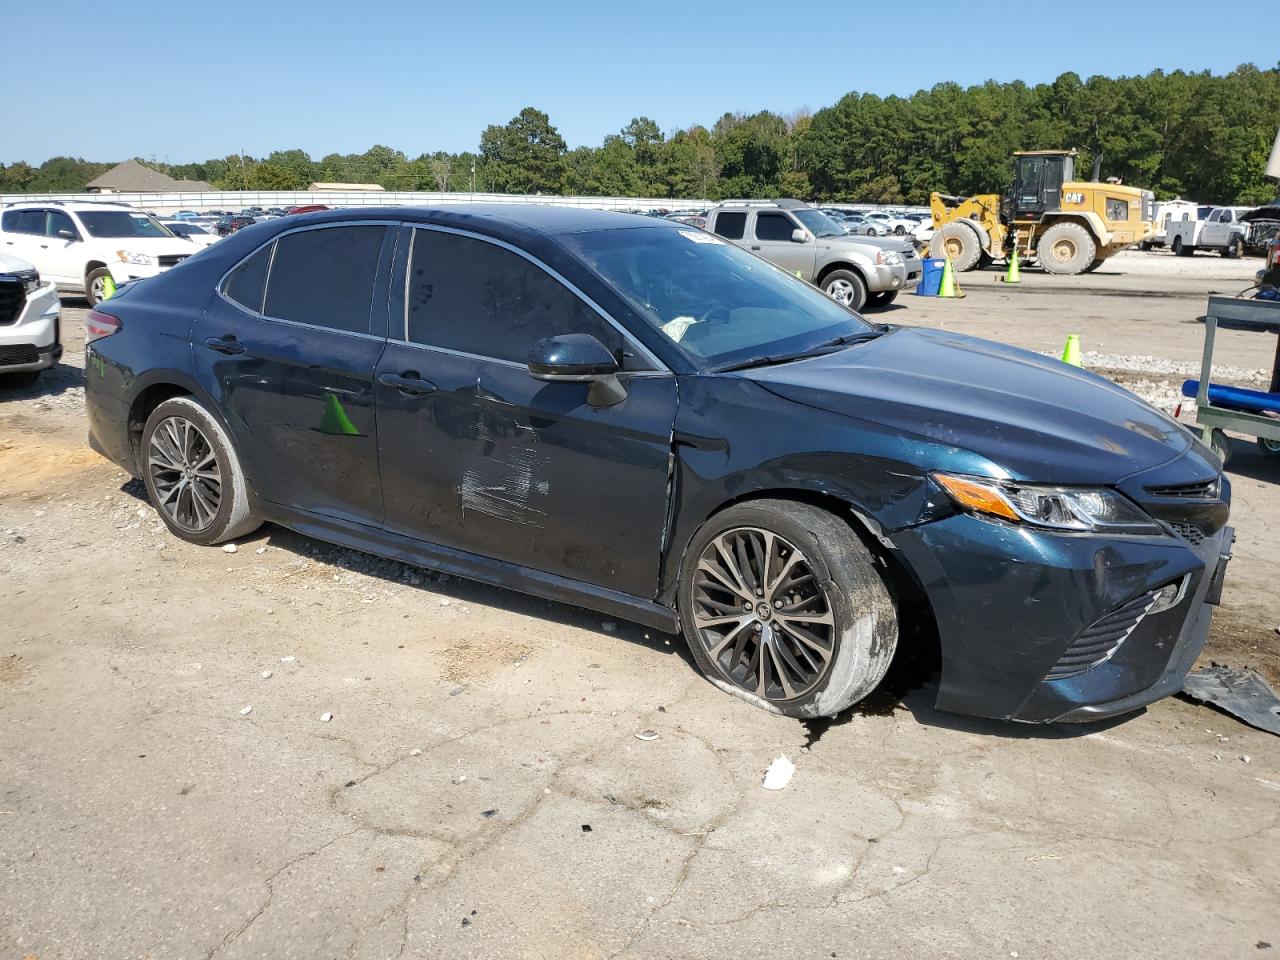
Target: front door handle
[(409, 383), (228, 345), (755, 246)]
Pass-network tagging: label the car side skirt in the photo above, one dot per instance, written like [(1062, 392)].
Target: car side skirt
[(497, 573)]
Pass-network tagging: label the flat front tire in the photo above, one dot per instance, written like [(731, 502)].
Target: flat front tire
[(783, 606), (193, 475)]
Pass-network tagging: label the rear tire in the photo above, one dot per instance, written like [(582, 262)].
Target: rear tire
[(1066, 249), (819, 579), (1269, 448), (1234, 250), (880, 300), (845, 287), (193, 475), (1094, 266), (960, 242)]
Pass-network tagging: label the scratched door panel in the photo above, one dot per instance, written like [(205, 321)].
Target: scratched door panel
[(558, 485)]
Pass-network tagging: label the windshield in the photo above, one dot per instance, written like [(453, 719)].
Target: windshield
[(719, 303), (121, 223), (819, 224)]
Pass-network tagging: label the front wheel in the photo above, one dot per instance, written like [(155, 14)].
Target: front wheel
[(1234, 249), (782, 605), (845, 287), (95, 285), (882, 299), (193, 475)]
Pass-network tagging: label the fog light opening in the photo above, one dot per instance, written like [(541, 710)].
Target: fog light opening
[(1170, 595)]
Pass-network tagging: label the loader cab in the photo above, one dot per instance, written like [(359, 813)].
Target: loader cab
[(1037, 182)]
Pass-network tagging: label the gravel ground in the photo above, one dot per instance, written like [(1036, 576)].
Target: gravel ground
[(295, 750)]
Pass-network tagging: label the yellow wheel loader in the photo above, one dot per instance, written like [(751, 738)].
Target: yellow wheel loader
[(1065, 225)]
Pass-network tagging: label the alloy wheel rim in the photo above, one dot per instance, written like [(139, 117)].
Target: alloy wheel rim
[(761, 614), (1272, 446), (98, 288), (185, 473), (841, 291)]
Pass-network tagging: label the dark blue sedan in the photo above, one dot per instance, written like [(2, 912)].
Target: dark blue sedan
[(631, 415)]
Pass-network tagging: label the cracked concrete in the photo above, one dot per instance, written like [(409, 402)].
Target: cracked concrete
[(442, 812)]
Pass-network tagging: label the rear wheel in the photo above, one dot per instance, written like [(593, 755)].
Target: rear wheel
[(1234, 249), (1066, 248), (193, 475), (883, 299), (846, 287), (959, 242), (1270, 448), (1094, 266), (782, 605)]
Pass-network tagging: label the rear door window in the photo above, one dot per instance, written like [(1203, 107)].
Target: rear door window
[(476, 297), (774, 226), (247, 282), (325, 277), (59, 221), (731, 226)]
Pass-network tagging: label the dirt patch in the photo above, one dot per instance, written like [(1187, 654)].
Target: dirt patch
[(470, 660), (11, 668), (1243, 640), (34, 462)]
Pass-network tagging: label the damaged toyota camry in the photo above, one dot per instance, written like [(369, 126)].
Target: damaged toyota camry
[(631, 415)]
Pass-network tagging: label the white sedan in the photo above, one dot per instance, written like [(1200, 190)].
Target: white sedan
[(191, 231)]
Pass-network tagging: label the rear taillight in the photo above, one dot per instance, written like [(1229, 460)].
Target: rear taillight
[(98, 325)]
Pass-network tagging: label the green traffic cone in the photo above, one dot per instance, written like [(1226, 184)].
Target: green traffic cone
[(1013, 275), (949, 286), (1071, 352)]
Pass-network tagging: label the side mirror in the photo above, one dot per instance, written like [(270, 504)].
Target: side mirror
[(799, 236), (66, 234), (578, 358)]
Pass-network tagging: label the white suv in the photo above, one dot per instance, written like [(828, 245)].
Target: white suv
[(77, 245), (30, 316)]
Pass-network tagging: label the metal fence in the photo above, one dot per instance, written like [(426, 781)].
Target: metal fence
[(239, 200)]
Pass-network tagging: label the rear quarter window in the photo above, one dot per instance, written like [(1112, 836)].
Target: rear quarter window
[(731, 226), (247, 282)]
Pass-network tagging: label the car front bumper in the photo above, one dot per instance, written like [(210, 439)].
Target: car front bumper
[(1015, 606), (886, 278), (32, 341)]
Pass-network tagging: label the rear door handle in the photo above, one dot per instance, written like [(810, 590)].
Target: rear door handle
[(408, 383), (228, 344)]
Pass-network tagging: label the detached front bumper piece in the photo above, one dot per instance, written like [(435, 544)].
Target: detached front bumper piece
[(1044, 627)]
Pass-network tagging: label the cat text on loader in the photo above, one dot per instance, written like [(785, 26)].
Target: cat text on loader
[(1068, 226)]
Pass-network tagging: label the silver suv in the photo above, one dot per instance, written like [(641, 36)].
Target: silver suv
[(856, 271)]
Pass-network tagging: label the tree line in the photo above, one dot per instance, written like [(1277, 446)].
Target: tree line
[(1196, 135)]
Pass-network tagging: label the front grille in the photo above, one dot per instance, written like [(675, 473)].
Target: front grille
[(1096, 643), (13, 297), (1197, 490), (172, 259), (1189, 532), (18, 353)]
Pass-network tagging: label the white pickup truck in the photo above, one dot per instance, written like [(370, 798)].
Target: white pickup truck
[(1221, 231)]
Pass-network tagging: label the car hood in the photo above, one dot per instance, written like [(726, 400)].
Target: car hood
[(10, 264), (1038, 418), (156, 246)]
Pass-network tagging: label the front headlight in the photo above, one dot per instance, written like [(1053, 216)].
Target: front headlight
[(144, 259), (30, 280), (889, 259), (1081, 509)]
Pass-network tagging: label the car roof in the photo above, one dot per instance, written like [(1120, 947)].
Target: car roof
[(76, 205), (511, 221)]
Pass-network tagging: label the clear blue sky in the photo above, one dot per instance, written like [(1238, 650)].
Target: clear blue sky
[(189, 81)]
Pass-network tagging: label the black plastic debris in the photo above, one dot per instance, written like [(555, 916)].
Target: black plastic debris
[(586, 828), (1241, 693), (488, 813)]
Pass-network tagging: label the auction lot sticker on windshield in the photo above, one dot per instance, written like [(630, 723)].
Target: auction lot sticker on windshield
[(698, 236)]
